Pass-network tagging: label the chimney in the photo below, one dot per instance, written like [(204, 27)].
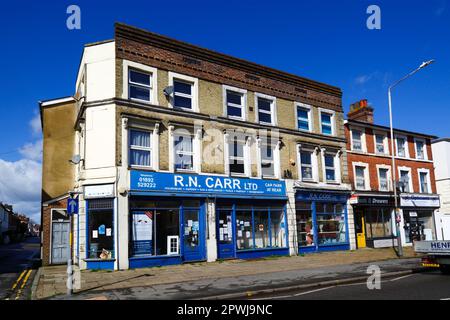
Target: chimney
[(361, 111)]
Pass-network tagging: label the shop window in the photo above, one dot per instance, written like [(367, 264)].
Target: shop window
[(267, 160), (261, 229), (305, 231), (357, 140), (101, 229), (277, 229), (140, 148), (378, 223), (184, 155), (153, 231), (244, 230), (139, 85), (236, 156), (330, 223)]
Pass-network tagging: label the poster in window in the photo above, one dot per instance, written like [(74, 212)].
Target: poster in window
[(143, 233)]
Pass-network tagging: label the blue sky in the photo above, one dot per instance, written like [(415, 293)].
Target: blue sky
[(323, 40)]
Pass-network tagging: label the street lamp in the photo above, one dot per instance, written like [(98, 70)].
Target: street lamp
[(393, 175)]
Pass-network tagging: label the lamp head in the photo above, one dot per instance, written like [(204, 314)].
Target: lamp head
[(426, 63)]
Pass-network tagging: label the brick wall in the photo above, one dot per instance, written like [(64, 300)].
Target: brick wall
[(46, 228)]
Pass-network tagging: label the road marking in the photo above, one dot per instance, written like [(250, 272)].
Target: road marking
[(402, 277), (295, 295), (24, 282), (445, 299), (18, 280)]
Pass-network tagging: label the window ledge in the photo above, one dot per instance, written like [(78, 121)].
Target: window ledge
[(98, 260)]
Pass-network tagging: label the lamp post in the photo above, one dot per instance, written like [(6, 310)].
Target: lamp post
[(393, 175)]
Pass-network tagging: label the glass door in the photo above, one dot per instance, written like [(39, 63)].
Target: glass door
[(192, 235), (225, 234)]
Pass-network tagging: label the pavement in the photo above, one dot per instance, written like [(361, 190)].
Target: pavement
[(18, 266), (222, 279), (431, 285)]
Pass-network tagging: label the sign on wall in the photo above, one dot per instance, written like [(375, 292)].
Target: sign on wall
[(321, 196), (169, 182), (415, 200)]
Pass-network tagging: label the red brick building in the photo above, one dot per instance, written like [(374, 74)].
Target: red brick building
[(370, 173)]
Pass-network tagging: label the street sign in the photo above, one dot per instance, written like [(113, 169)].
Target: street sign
[(72, 205)]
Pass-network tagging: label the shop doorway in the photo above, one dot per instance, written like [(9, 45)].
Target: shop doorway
[(360, 229), (193, 250), (225, 234)]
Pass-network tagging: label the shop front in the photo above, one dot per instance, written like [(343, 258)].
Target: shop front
[(321, 221), (173, 216), (418, 216), (374, 220)]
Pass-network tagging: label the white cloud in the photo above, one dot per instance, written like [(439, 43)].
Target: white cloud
[(20, 186), (32, 151), (363, 79), (35, 124)]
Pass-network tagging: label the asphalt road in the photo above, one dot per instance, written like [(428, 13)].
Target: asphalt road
[(16, 269), (431, 285)]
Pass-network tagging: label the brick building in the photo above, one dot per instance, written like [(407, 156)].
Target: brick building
[(187, 154), (370, 173)]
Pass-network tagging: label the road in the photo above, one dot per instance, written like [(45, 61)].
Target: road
[(16, 269), (430, 285)]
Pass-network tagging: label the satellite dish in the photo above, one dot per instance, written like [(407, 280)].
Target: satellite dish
[(168, 90), (75, 159)]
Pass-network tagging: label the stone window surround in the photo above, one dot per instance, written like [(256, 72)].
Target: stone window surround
[(126, 66)]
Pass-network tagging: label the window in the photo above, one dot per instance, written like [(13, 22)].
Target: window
[(383, 179), (401, 147), (357, 140), (182, 94), (360, 179), (266, 109), (305, 231), (100, 228), (423, 176), (184, 155), (140, 148), (236, 156), (303, 118), (326, 122), (379, 144), (139, 85), (330, 171), (267, 160), (404, 181), (306, 165), (330, 223), (420, 149), (378, 223), (244, 228), (235, 102)]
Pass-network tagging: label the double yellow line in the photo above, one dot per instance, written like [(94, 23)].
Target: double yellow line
[(24, 277)]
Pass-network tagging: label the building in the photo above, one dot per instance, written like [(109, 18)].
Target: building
[(441, 154), (185, 154), (370, 170), (5, 212)]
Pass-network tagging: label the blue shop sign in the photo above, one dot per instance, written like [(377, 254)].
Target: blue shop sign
[(321, 196), (188, 183)]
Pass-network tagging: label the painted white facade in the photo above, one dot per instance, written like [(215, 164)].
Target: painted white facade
[(441, 156)]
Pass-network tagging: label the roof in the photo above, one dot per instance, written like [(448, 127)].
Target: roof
[(53, 102), (377, 126), (143, 36), (441, 140)]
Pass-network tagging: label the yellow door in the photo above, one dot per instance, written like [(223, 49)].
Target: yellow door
[(361, 237)]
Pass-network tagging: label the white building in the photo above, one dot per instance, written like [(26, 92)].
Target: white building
[(441, 152)]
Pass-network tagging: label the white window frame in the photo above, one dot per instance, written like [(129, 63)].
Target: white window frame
[(306, 107), (385, 142), (272, 112), (366, 175), (406, 146), (229, 138), (243, 107), (153, 147), (363, 139), (314, 163), (425, 153), (196, 134), (410, 184), (194, 91), (153, 72), (333, 121), (388, 177), (337, 166), (276, 157), (169, 247), (427, 171)]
